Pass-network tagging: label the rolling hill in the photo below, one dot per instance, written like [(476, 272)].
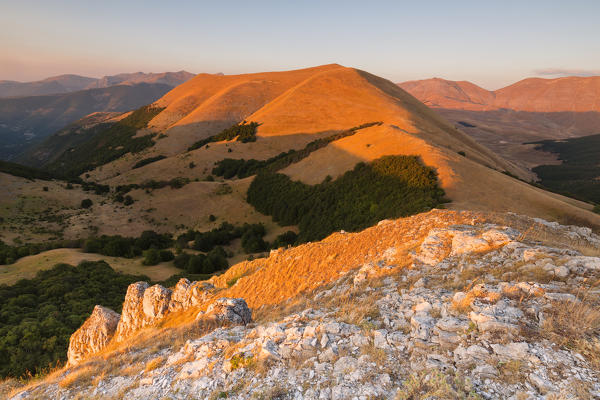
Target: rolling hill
[(296, 107), (358, 116)]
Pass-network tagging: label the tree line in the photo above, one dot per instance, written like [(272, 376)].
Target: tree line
[(241, 168)]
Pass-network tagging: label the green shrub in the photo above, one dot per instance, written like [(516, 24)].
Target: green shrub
[(151, 257), (86, 203), (166, 255), (245, 132), (9, 254), (181, 260), (285, 239), (389, 187), (128, 200), (221, 236), (577, 175), (119, 246), (228, 168), (25, 172)]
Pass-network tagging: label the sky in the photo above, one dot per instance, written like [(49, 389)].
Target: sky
[(490, 43)]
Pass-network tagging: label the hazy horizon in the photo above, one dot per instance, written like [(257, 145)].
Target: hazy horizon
[(491, 45)]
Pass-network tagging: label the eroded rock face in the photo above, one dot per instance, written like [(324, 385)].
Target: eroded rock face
[(132, 316), (188, 294), (156, 302), (93, 336), (235, 311)]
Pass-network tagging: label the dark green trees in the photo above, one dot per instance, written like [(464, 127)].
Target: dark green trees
[(390, 187)]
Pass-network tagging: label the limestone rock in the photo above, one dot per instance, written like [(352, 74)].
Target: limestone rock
[(235, 311), (156, 302), (458, 240), (132, 316), (188, 294), (93, 335)]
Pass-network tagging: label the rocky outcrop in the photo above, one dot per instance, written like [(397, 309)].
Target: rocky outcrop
[(462, 239), (488, 319), (132, 316), (188, 294), (93, 335), (144, 306), (234, 311)]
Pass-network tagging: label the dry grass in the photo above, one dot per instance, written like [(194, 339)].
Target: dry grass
[(302, 269), (154, 363), (471, 293), (512, 371), (433, 384), (79, 376), (536, 232), (575, 325)]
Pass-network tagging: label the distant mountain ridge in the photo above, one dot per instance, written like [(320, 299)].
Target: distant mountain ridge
[(71, 83), (25, 121), (568, 94)]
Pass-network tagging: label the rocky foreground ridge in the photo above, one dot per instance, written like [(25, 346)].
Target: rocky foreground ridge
[(441, 305)]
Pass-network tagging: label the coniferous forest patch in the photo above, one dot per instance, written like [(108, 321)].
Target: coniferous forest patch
[(389, 187)]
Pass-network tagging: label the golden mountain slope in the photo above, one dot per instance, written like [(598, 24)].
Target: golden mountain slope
[(298, 106)]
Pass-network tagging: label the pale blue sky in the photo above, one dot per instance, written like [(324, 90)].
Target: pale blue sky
[(491, 43)]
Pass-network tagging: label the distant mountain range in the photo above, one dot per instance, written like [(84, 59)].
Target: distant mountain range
[(71, 83), (530, 110), (569, 94), (25, 121)]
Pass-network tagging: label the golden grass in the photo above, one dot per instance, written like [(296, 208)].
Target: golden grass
[(156, 362), (302, 269), (575, 325), (463, 305), (512, 371), (77, 377)]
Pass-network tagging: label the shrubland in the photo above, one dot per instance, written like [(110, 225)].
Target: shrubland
[(119, 246), (577, 175)]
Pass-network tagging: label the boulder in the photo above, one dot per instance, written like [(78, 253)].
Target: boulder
[(93, 336), (225, 309)]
